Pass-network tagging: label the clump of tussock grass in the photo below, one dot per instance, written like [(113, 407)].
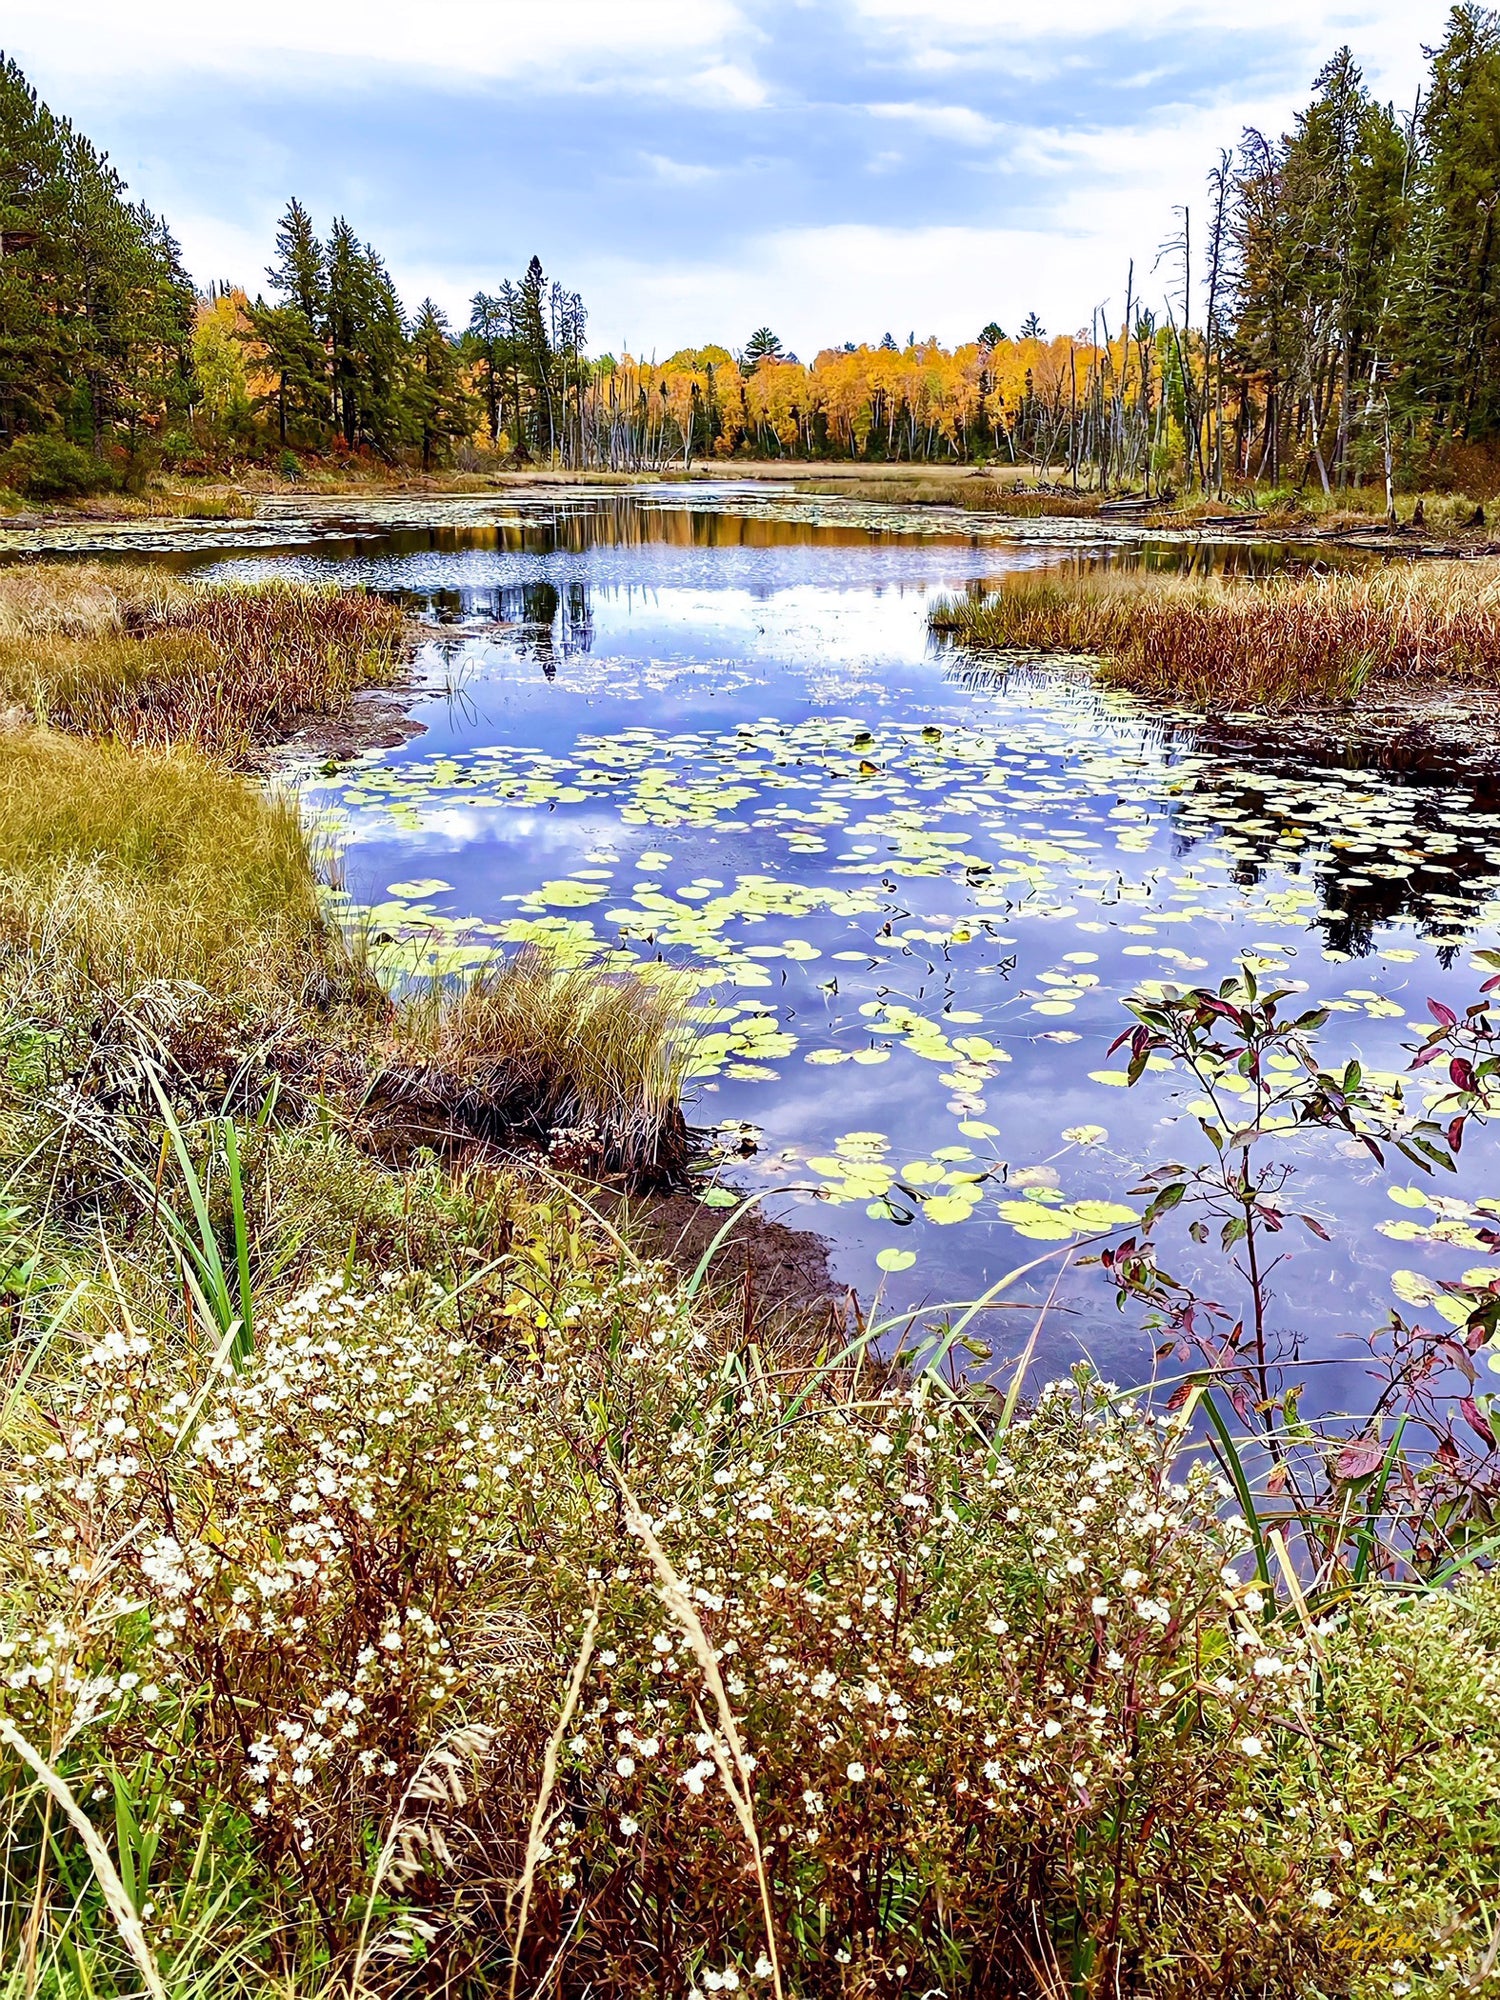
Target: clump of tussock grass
[(588, 1062), (124, 866), (1278, 643), (143, 657)]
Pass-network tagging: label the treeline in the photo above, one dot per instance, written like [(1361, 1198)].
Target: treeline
[(1334, 316), (96, 311), (334, 361)]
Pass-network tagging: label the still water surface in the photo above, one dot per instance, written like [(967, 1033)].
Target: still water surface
[(916, 894)]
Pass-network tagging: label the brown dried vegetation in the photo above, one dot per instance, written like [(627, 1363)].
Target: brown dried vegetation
[(145, 658), (1234, 643)]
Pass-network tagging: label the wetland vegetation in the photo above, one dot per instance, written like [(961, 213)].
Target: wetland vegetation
[(416, 1585), (1283, 641), (430, 1568)]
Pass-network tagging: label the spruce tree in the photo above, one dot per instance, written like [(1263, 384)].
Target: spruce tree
[(440, 410)]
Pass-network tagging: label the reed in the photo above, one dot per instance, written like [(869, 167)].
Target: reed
[(1278, 643), (150, 660)]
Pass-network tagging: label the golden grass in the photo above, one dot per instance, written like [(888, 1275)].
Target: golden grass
[(587, 1061), (141, 656), (1283, 642), (83, 600), (127, 866)]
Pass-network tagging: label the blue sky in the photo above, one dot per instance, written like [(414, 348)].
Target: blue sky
[(836, 168)]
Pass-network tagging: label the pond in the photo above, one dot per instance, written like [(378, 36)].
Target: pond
[(915, 893)]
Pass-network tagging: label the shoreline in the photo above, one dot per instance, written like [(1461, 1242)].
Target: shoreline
[(96, 526)]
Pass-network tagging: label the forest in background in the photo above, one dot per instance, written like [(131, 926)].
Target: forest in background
[(1330, 315)]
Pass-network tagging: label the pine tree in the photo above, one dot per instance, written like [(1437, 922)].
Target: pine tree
[(1452, 294), (440, 409), (298, 277), (487, 338), (762, 345), (95, 308), (293, 331), (367, 344), (533, 352)]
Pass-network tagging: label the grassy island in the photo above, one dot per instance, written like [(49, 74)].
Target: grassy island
[(1284, 642)]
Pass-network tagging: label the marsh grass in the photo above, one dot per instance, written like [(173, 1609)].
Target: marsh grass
[(124, 866), (1282, 642), (148, 659), (588, 1062)]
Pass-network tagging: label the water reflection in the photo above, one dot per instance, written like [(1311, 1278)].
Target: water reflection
[(1411, 837), (917, 893), (548, 622)]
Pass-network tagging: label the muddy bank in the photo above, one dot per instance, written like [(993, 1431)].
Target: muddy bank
[(377, 718), (770, 1269)]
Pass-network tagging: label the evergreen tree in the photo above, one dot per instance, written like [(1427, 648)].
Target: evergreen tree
[(527, 304), (366, 335), (762, 345), (292, 332), (95, 308), (440, 409), (1452, 293), (487, 339), (299, 277)]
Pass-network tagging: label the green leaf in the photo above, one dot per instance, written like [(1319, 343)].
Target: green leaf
[(895, 1260)]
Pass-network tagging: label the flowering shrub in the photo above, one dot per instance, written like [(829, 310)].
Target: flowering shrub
[(1007, 1699), (1406, 1760)]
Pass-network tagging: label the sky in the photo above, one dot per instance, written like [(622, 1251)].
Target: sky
[(835, 169)]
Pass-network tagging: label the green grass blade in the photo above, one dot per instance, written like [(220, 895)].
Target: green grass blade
[(1376, 1500), (245, 1339), (1236, 1469)]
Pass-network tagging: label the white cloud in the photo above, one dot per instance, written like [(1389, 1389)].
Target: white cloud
[(1062, 207), (109, 40), (818, 287), (679, 173), (1027, 40), (956, 122), (728, 84)]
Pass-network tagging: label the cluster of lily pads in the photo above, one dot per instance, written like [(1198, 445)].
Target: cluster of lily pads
[(890, 855)]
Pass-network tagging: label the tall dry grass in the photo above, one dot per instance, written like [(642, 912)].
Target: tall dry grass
[(1282, 642), (126, 866), (142, 656), (590, 1062)]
